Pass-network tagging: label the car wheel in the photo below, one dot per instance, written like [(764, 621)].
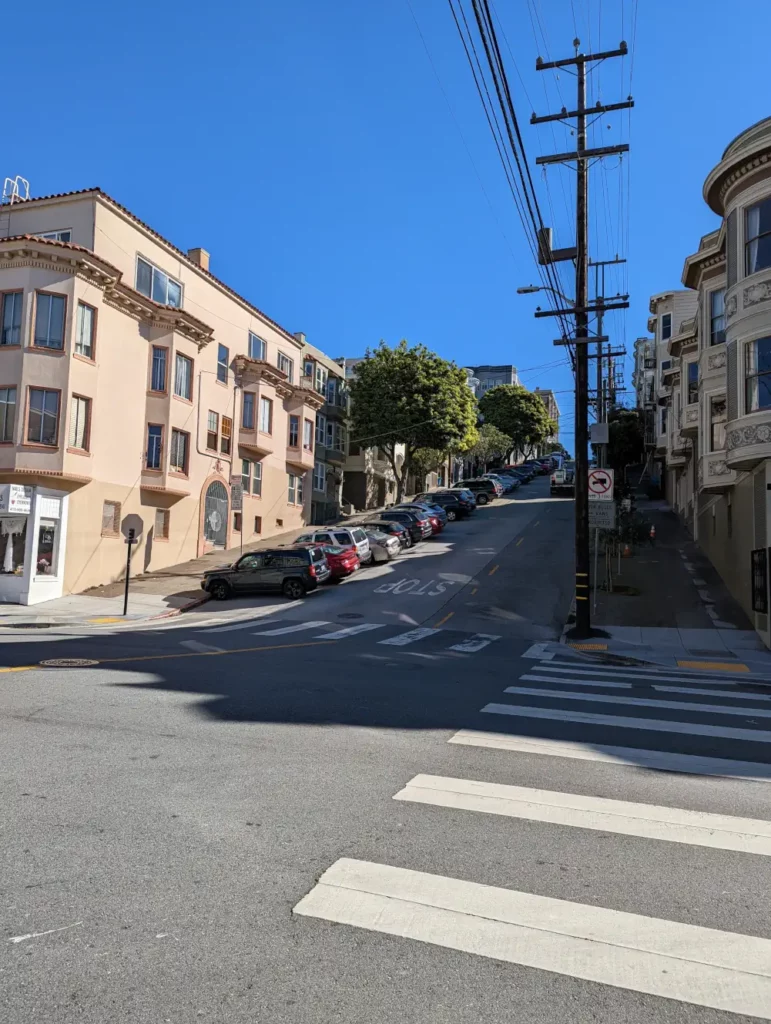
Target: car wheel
[(293, 589), (482, 499), (219, 590), (451, 517), (407, 541)]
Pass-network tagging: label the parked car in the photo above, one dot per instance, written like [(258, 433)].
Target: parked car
[(507, 483), (465, 494), (416, 522), (291, 571), (524, 476), (434, 511), (432, 518), (453, 503), (392, 529), (342, 536), (342, 561), (384, 546), (563, 481), (484, 490)]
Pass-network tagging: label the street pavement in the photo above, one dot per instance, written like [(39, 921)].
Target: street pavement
[(230, 823)]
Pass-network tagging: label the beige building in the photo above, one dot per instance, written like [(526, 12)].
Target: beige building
[(135, 388), (549, 399)]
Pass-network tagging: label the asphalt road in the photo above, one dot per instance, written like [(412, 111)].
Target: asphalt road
[(169, 813)]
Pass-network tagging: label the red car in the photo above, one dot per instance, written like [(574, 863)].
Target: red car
[(342, 561)]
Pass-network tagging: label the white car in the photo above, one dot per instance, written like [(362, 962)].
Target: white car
[(349, 537), (384, 547)]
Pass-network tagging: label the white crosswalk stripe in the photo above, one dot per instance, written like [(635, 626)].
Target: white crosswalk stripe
[(474, 643), (298, 627), (608, 684), (623, 672), (342, 634), (402, 639)]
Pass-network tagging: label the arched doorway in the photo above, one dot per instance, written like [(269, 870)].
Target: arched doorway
[(215, 515)]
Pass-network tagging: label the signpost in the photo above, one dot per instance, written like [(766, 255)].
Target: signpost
[(131, 528), (602, 515), (600, 485), (237, 502)]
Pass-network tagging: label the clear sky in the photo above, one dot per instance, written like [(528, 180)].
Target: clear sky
[(309, 145)]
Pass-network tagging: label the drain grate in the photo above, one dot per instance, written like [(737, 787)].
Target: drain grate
[(27, 625), (69, 663)]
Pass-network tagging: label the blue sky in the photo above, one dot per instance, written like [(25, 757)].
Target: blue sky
[(310, 146)]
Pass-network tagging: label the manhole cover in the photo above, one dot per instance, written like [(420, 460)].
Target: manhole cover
[(68, 663), (350, 615)]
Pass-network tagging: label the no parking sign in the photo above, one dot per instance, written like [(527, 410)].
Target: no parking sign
[(601, 484)]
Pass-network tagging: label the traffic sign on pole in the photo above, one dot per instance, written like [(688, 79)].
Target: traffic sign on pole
[(601, 485)]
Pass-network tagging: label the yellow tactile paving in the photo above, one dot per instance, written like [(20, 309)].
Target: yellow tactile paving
[(715, 666)]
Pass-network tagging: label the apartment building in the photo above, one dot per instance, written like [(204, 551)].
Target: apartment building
[(486, 377), (135, 389), (328, 378), (549, 399)]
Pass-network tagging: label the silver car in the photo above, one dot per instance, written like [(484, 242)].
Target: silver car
[(383, 546)]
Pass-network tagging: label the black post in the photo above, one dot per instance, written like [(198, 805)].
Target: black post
[(583, 623), (129, 542)]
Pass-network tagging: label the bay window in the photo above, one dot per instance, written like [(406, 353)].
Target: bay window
[(757, 375), (757, 237), (717, 422), (717, 317)]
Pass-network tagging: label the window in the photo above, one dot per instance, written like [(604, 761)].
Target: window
[(154, 446), (286, 366), (110, 518), (227, 434), (11, 330), (257, 347), (43, 417), (223, 358), (158, 370), (757, 375), (247, 411), (308, 368), (331, 391), (257, 479), (238, 522), (158, 286), (212, 431), (258, 524), (308, 435), (320, 477), (321, 429), (729, 514), (757, 237), (321, 378), (47, 544), (295, 489), (717, 317), (666, 326), (693, 383), (180, 446), (80, 416), (665, 364), (266, 416), (7, 413), (49, 321), (85, 325), (183, 377), (294, 431), (664, 420), (57, 236), (246, 475), (161, 531)]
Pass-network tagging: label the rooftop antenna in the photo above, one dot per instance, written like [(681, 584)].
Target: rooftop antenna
[(15, 190)]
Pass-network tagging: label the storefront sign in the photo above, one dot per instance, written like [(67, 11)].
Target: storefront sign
[(15, 498)]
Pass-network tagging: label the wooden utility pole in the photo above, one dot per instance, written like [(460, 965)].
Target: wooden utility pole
[(582, 308)]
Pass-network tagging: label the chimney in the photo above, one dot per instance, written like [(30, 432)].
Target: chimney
[(199, 256), (300, 335)]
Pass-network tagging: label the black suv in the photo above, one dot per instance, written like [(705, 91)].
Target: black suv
[(416, 522), (290, 571), (455, 504), (484, 490)]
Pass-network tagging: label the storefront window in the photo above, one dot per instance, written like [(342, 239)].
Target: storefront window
[(13, 537), (47, 539)]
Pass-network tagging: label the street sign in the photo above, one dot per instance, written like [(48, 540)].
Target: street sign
[(237, 496), (602, 515), (600, 485)]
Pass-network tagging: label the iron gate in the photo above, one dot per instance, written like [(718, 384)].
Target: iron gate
[(215, 515), (760, 580)]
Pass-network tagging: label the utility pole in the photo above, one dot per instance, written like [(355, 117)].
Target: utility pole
[(602, 394), (582, 309)]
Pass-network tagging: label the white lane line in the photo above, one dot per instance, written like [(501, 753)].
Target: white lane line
[(248, 624), (608, 684), (703, 966), (684, 674), (732, 694), (341, 634), (409, 638), (651, 677), (298, 627), (196, 645), (640, 702), (538, 651), (619, 721), (658, 760), (474, 643), (669, 824)]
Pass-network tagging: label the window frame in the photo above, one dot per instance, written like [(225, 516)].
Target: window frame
[(12, 293), (223, 365), (323, 477), (42, 444), (191, 362), (662, 318), (76, 340), (309, 431), (165, 350), (719, 316), (266, 402), (263, 349), (246, 476), (257, 479), (154, 269), (212, 431), (116, 518), (748, 377), (293, 422), (86, 448), (290, 374), (713, 400), (159, 467), (50, 295), (4, 419), (692, 386), (253, 405), (164, 535), (298, 489), (321, 427), (226, 435), (55, 236), (176, 469), (755, 238)]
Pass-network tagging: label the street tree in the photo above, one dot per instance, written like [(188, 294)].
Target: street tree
[(410, 397), (519, 414), (492, 444), (626, 439)]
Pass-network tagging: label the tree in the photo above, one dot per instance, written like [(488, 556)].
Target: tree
[(410, 397), (626, 439), (492, 444), (518, 413)]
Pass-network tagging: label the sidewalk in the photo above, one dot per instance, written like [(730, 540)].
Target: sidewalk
[(671, 606)]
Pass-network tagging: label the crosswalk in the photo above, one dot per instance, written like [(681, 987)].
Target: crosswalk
[(660, 722)]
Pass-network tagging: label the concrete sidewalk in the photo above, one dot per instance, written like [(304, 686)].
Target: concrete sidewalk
[(670, 606)]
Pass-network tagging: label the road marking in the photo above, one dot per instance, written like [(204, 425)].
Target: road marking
[(536, 523), (646, 821), (241, 624), (474, 643), (658, 760), (37, 935), (519, 542), (341, 634), (703, 966), (538, 651), (441, 622), (733, 694), (474, 591), (587, 647), (297, 628), (641, 702), (728, 666), (196, 645), (102, 619), (651, 677), (494, 570), (645, 724), (409, 638), (606, 683), (20, 668)]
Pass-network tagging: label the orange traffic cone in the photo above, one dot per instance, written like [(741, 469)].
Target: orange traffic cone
[(653, 534), (627, 551)]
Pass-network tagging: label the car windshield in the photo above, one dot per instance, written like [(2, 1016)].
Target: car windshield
[(332, 549)]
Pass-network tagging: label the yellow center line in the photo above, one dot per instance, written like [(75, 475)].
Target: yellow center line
[(519, 541), (474, 591), (20, 668), (536, 523), (494, 570), (441, 622)]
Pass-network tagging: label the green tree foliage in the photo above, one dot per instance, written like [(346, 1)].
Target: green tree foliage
[(492, 444), (411, 397), (519, 414), (626, 439)]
